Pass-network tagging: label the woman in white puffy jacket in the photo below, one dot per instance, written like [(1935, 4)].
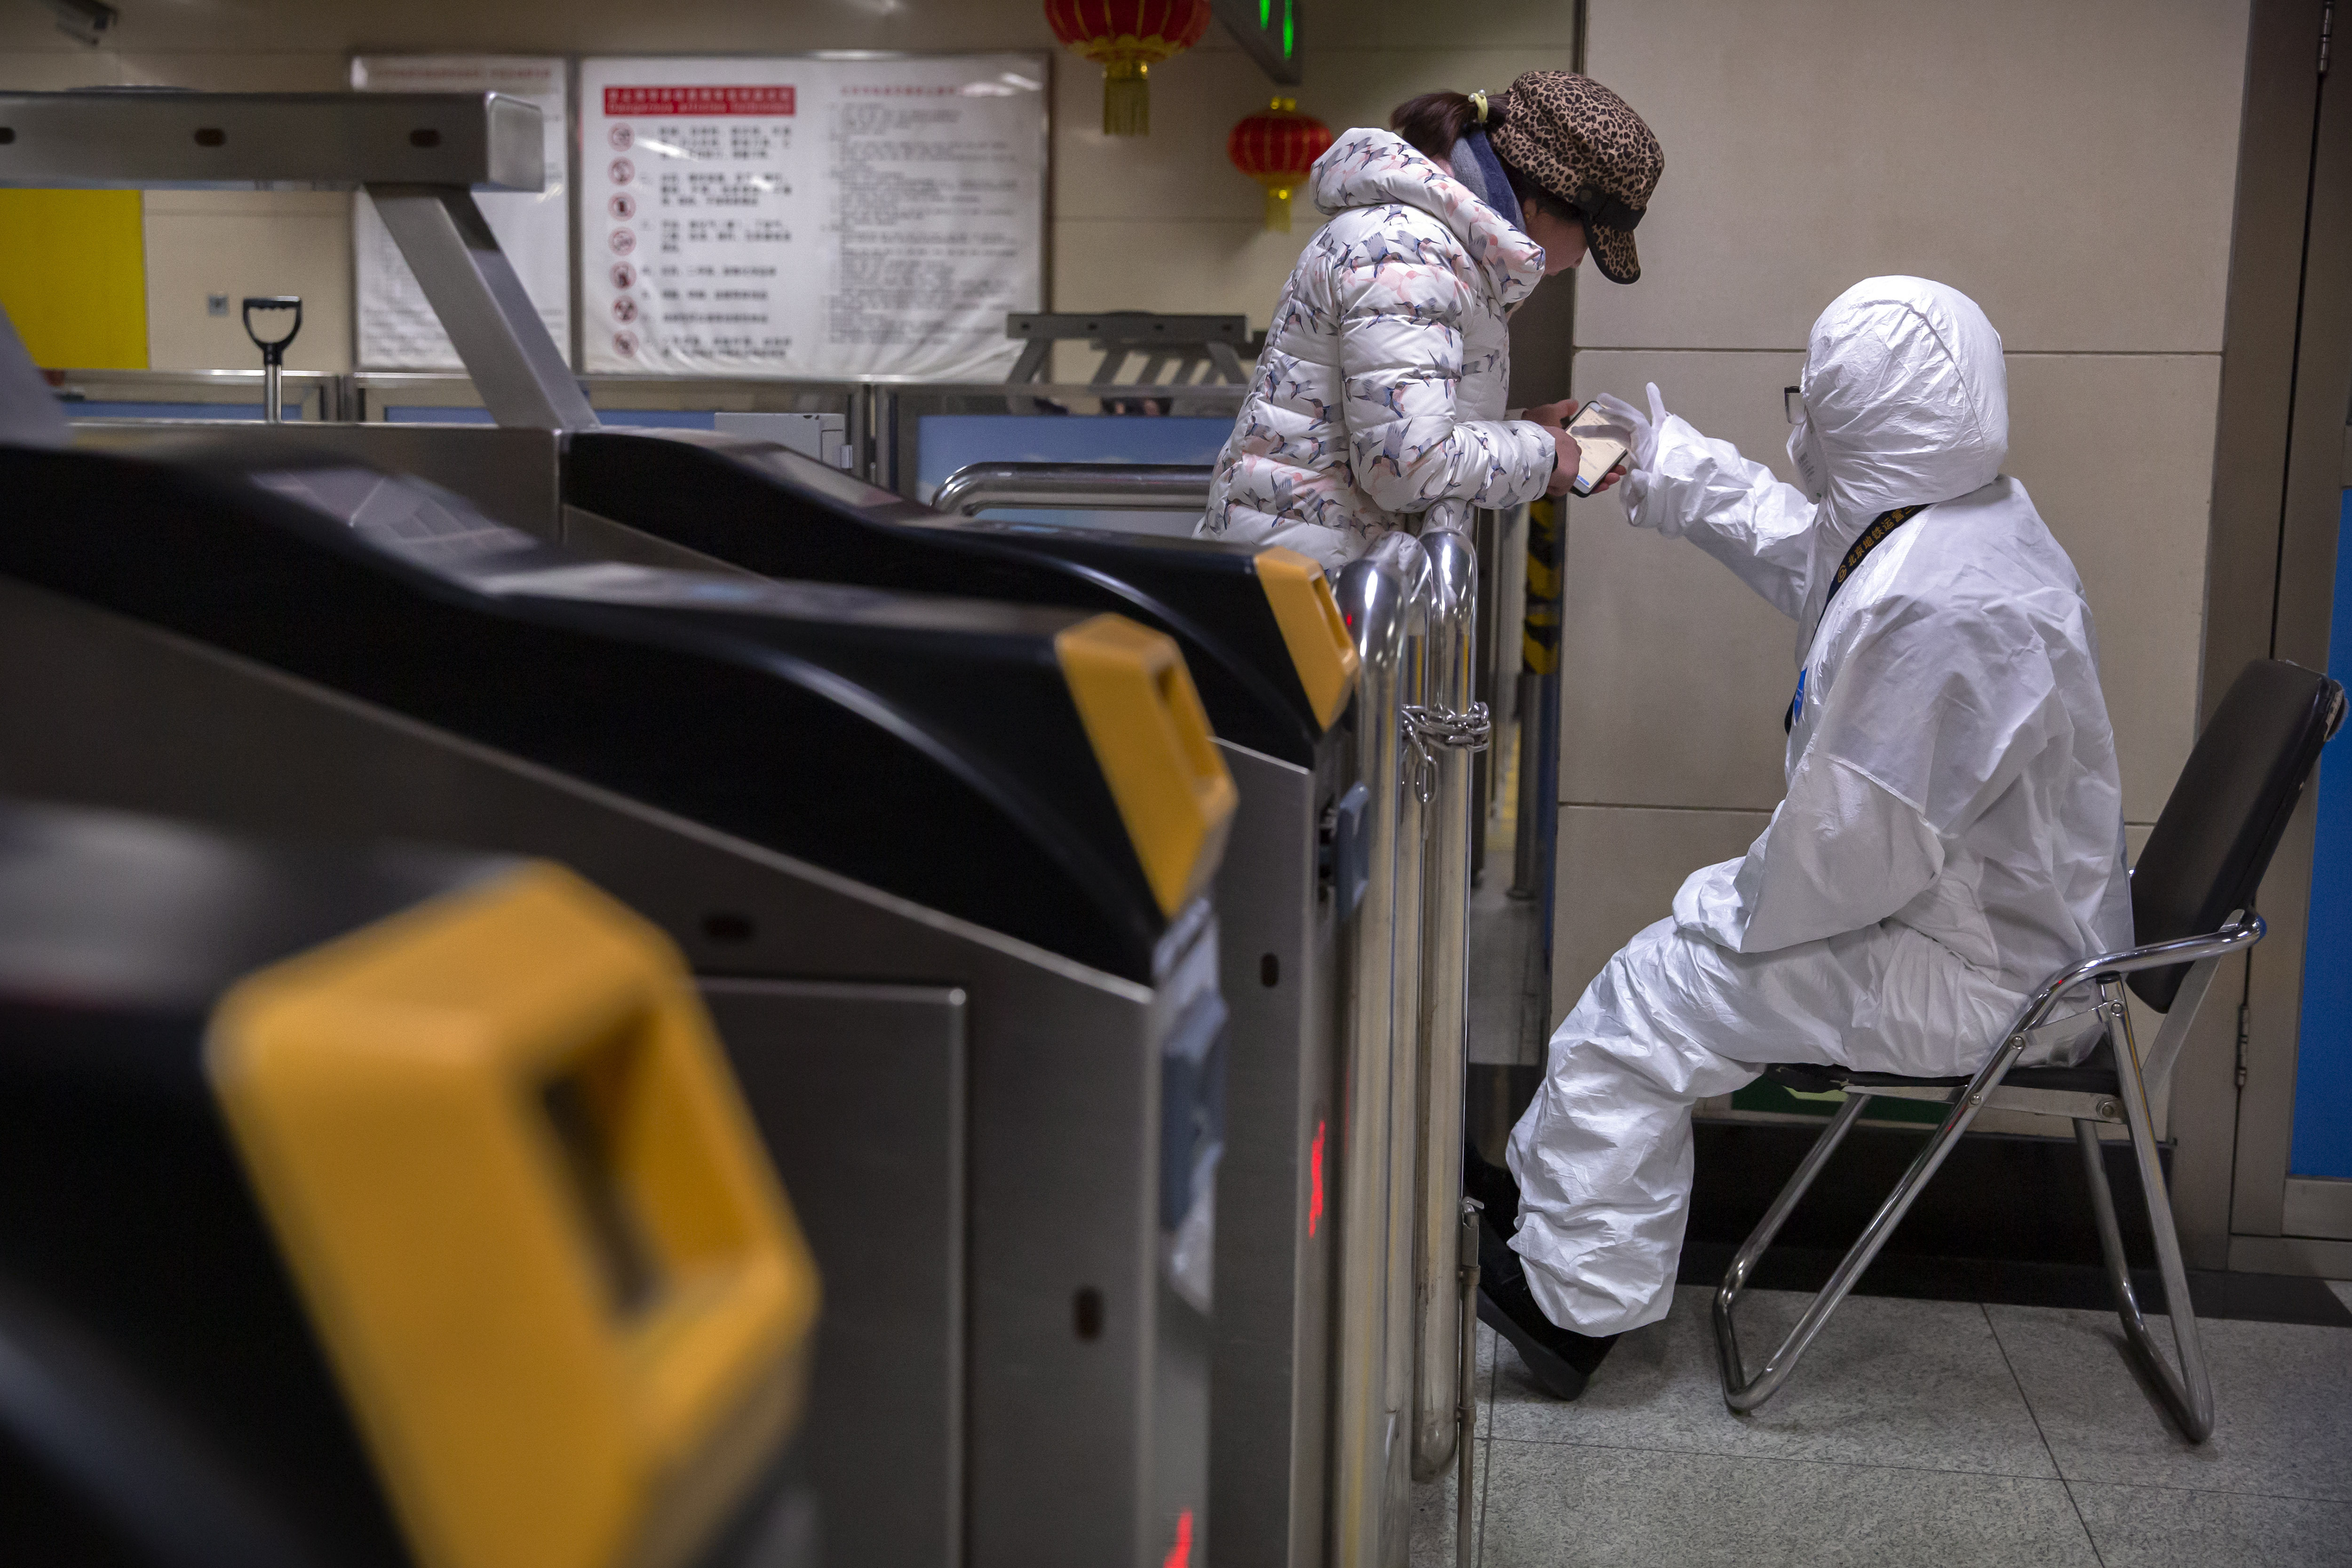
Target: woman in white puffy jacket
[(1378, 402)]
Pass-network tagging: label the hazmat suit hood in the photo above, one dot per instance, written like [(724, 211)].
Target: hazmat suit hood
[(1368, 167), (1906, 401)]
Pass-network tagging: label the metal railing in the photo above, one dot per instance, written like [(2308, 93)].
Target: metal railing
[(1078, 487), (1447, 729), (167, 395), (1380, 601), (1396, 1374)]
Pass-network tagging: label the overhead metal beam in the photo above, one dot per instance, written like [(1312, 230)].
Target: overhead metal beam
[(240, 141)]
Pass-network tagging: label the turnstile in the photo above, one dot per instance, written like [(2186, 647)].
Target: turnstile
[(1275, 666), (374, 1206), (938, 866)]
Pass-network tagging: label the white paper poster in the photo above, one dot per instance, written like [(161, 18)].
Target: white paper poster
[(397, 329), (812, 218)]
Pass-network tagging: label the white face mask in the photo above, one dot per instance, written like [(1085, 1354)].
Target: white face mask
[(1806, 453)]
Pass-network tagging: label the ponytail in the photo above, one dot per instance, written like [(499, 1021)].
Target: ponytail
[(1435, 121)]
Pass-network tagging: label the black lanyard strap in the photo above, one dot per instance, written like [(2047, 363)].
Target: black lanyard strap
[(1884, 523)]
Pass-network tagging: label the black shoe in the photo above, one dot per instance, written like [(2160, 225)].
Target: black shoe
[(1492, 1186), (1559, 1360)]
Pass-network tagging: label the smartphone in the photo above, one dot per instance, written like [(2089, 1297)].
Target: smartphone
[(1604, 443)]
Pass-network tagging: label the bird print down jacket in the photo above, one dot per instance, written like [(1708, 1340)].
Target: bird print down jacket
[(1378, 402)]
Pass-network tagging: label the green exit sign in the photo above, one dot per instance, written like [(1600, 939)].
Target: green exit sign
[(1269, 31)]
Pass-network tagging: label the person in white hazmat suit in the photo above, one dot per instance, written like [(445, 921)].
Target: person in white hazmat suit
[(1951, 836)]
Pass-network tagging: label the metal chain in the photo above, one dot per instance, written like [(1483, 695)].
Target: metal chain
[(1423, 727)]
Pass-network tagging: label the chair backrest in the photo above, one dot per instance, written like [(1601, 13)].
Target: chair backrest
[(2226, 813)]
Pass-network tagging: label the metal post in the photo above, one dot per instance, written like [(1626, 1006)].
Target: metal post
[(1466, 1382), (1451, 725), (1487, 528), (1413, 788), (1526, 848), (491, 321), (1376, 600), (2189, 1391), (1538, 707)]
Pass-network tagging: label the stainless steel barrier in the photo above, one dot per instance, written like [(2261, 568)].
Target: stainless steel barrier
[(313, 395), (1397, 1381), (1382, 595), (924, 431), (1077, 487), (1447, 730), (844, 407)]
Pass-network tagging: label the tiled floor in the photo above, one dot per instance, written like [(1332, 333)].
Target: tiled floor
[(1914, 1432)]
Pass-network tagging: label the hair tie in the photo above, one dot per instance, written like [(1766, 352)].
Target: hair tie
[(1478, 101)]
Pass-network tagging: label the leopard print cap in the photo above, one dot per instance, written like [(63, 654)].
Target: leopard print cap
[(1585, 145)]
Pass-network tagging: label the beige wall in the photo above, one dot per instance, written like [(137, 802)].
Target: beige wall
[(2071, 167), (1159, 224)]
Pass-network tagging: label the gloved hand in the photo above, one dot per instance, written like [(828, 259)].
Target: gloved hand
[(1644, 428), (1644, 444)]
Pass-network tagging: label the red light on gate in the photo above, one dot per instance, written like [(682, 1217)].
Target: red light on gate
[(1315, 1178), (1181, 1554)]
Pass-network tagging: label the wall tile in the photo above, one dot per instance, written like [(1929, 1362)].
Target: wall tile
[(248, 242), (1673, 672), (1181, 171), (1619, 869), (323, 71), (2117, 452), (1180, 264), (2072, 166), (1543, 28), (37, 69)]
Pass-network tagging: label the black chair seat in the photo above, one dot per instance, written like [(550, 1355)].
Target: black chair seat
[(2095, 1074)]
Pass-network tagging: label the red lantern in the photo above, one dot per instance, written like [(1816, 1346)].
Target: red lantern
[(1277, 147), (1127, 39)]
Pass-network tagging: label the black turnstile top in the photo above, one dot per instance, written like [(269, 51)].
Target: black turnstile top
[(767, 509), (104, 908), (929, 748)]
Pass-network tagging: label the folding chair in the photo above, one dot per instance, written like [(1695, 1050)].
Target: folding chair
[(2193, 906)]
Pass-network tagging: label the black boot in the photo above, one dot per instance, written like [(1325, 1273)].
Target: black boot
[(1559, 1360), (1491, 1185)]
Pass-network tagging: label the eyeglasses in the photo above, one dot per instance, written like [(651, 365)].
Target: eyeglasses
[(1792, 400)]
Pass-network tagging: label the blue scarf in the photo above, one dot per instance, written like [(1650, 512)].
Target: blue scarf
[(1476, 165)]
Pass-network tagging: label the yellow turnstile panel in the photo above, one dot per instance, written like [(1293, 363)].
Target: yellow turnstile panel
[(531, 1218), (1312, 629), (1144, 719)]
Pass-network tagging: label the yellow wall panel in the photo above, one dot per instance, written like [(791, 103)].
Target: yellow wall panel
[(73, 277)]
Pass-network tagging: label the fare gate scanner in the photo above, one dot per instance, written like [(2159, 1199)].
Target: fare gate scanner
[(938, 866), (379, 1207), (1258, 628)]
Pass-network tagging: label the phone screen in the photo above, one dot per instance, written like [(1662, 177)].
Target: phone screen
[(1604, 443)]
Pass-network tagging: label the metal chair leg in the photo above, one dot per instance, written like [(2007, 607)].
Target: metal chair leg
[(1744, 1393), (2188, 1393)]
